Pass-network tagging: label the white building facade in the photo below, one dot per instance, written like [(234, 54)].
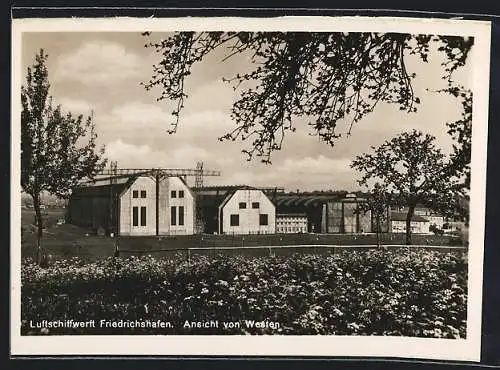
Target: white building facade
[(417, 227), (437, 221), (247, 211), (176, 216), (138, 207), (291, 223), (419, 224), (151, 208)]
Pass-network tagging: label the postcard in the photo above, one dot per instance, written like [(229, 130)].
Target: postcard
[(288, 186)]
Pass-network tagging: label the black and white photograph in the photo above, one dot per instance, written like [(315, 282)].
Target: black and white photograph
[(229, 186)]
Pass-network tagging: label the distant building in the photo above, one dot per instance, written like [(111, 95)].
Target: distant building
[(454, 226), (327, 213), (419, 224), (434, 218), (307, 204), (349, 215), (137, 205), (291, 223)]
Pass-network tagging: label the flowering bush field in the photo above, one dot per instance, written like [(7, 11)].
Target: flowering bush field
[(370, 292)]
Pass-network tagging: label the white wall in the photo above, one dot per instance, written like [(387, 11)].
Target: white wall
[(127, 202), (291, 224), (436, 220), (166, 201), (418, 227), (249, 219)]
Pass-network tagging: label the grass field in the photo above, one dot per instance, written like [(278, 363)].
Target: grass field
[(66, 241)]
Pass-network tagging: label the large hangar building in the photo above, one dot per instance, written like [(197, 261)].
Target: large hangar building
[(137, 205), (330, 213), (234, 210)]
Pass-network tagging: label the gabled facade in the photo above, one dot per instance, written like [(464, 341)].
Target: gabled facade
[(246, 211), (176, 205), (142, 205), (137, 204)]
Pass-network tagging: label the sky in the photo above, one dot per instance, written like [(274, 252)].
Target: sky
[(102, 72)]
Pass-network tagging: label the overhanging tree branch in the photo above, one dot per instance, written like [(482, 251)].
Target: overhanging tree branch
[(327, 78)]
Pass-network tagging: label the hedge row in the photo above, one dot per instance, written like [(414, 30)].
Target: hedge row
[(368, 292)]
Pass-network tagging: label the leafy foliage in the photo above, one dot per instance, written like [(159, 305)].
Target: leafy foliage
[(395, 292), (414, 170), (461, 131), (434, 229), (325, 77), (57, 149)]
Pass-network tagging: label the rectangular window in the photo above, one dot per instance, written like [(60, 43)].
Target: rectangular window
[(255, 205), (181, 215), (135, 194), (143, 216), (235, 220), (263, 220), (173, 194), (173, 216), (181, 193), (243, 205), (135, 216), (143, 193)]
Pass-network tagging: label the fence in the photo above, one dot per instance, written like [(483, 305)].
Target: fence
[(95, 247), (276, 250)]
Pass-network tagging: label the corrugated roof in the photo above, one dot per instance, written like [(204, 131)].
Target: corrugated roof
[(221, 187), (401, 216), (119, 185), (101, 189), (102, 182), (300, 201)]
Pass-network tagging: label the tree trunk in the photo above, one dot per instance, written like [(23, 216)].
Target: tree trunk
[(39, 225), (409, 216), (378, 231)]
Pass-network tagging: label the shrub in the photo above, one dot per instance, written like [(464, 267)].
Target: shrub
[(434, 229), (375, 292)]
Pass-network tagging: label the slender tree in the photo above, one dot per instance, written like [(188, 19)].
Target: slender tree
[(325, 77), (412, 168), (377, 202), (58, 149)]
